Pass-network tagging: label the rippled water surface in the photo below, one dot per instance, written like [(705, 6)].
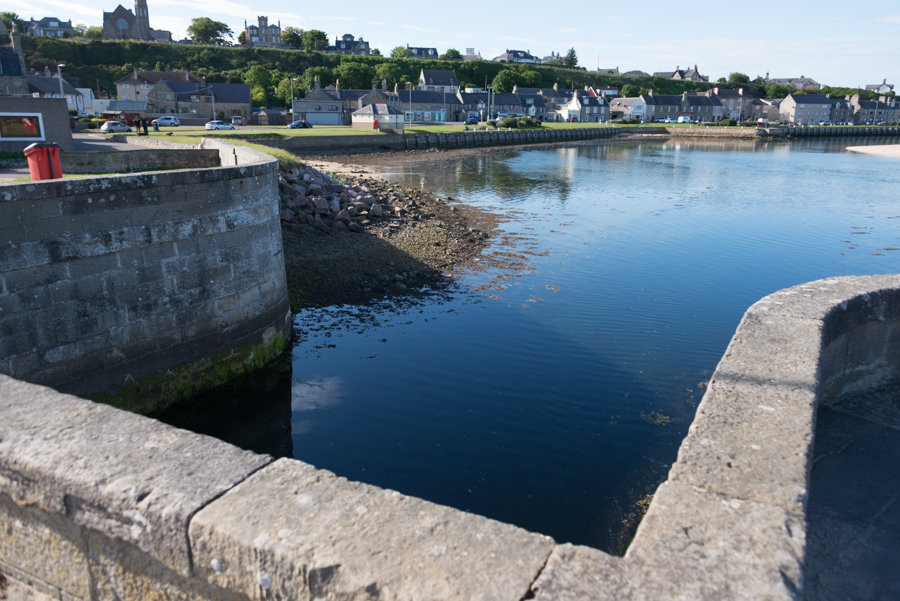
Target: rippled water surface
[(530, 402)]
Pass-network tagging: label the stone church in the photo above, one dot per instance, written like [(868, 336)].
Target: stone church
[(122, 24)]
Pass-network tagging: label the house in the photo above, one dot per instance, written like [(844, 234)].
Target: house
[(45, 84), (587, 109), (627, 108), (51, 27), (318, 107), (435, 80), (687, 74), (422, 53), (608, 71), (637, 73), (735, 103), (137, 85), (471, 55), (762, 108), (122, 24), (389, 119), (874, 111), (349, 45), (422, 105), (214, 100), (554, 58), (701, 108), (533, 105), (806, 109), (841, 110), (517, 56), (882, 88), (597, 91), (800, 83), (474, 103), (670, 106), (262, 35)]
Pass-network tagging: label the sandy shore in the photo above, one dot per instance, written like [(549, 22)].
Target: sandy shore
[(886, 150)]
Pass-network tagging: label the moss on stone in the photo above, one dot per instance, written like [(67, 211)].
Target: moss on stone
[(181, 382)]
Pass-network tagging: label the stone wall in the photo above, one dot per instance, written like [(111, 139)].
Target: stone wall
[(137, 160), (143, 289), (179, 515)]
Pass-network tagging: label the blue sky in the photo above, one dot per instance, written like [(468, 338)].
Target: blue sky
[(787, 40)]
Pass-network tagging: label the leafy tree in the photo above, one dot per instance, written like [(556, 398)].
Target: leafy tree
[(452, 54), (737, 79), (307, 80), (779, 90), (10, 17), (259, 97), (401, 52), (204, 30), (242, 38), (355, 75), (630, 91), (94, 32), (392, 73), (504, 81), (259, 78), (376, 52), (722, 80), (313, 39), (570, 59), (283, 89), (292, 36), (531, 79), (79, 30)]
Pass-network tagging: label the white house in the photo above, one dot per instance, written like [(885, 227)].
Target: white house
[(388, 118)]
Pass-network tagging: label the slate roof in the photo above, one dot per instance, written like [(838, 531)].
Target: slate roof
[(224, 92), (129, 106), (529, 91), (50, 85), (422, 52), (662, 99), (378, 109), (536, 100), (623, 102), (153, 77), (641, 73), (45, 24), (875, 86), (810, 98), (703, 101), (517, 55), (426, 97), (728, 93), (436, 77)]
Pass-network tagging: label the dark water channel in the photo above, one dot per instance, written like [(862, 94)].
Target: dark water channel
[(556, 399)]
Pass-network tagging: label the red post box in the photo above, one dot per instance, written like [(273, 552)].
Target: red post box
[(43, 161)]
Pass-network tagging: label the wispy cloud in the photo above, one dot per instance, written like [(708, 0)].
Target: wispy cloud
[(376, 23), (417, 28), (69, 6), (895, 19), (570, 30)]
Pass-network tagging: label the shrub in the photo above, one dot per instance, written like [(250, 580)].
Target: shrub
[(727, 123), (491, 123), (507, 122), (748, 123)]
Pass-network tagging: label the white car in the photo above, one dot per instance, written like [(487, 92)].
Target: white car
[(111, 127), (219, 125), (170, 121)]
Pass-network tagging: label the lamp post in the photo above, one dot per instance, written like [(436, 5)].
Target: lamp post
[(409, 112), (293, 79), (59, 74)]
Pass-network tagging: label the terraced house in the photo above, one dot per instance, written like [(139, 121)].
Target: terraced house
[(584, 109), (137, 85), (667, 106), (806, 109)]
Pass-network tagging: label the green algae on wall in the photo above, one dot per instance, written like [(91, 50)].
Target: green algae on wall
[(188, 379)]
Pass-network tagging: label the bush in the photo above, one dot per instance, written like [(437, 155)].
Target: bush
[(11, 155), (508, 122), (727, 123), (527, 122), (491, 123), (748, 123)]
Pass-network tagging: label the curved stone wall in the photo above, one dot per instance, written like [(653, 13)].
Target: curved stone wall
[(143, 289), (185, 516)]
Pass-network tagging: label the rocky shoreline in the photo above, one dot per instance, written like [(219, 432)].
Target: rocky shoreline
[(352, 238)]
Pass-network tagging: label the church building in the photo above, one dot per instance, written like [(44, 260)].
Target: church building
[(122, 24)]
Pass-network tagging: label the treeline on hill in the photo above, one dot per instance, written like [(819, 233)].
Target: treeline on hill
[(269, 72)]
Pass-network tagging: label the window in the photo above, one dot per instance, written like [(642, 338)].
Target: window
[(168, 97), (145, 87), (195, 99), (318, 108), (54, 24), (122, 24), (125, 86), (127, 97)]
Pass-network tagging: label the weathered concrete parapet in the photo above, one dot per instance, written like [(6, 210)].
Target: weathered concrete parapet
[(184, 516), (143, 289)]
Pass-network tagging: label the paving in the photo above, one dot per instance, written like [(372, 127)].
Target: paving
[(853, 535)]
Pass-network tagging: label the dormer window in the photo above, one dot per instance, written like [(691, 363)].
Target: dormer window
[(54, 24)]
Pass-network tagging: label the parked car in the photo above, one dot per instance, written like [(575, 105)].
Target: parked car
[(218, 125), (472, 121), (112, 127), (685, 120), (669, 120), (237, 120), (164, 121), (824, 122), (301, 124)]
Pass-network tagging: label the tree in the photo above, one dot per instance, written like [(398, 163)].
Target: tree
[(9, 18), (283, 90), (292, 36), (505, 81), (258, 77), (355, 75), (570, 59), (401, 52), (94, 32), (314, 40), (779, 90), (722, 80), (452, 54), (737, 79), (530, 79), (204, 30), (79, 30), (630, 91), (242, 38), (376, 52), (392, 73), (307, 80), (258, 97)]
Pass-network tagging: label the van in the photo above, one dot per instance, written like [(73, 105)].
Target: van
[(237, 120), (685, 120)]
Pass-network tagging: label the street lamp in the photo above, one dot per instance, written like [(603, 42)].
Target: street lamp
[(59, 74), (293, 79)]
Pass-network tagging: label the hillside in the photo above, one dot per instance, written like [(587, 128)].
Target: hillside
[(101, 63)]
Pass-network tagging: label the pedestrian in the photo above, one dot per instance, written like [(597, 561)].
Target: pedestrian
[(144, 123)]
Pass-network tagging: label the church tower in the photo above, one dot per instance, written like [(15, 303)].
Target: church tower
[(142, 19)]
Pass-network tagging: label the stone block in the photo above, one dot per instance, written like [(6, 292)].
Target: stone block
[(122, 475), (576, 573), (291, 531), (694, 544)]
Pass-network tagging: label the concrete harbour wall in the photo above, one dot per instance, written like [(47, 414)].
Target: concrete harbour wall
[(137, 160), (143, 289), (180, 515)]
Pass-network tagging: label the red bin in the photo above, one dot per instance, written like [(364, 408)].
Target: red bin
[(43, 161)]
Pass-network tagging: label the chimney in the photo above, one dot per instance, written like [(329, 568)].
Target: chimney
[(396, 88), (337, 89), (317, 84), (651, 92), (374, 85), (187, 75)]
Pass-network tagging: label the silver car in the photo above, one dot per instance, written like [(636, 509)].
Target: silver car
[(112, 127)]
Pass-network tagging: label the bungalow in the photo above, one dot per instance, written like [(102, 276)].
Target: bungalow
[(387, 118), (517, 56), (882, 88), (422, 53), (435, 80)]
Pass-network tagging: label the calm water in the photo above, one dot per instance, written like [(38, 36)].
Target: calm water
[(529, 402)]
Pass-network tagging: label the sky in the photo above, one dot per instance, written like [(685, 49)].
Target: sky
[(820, 39)]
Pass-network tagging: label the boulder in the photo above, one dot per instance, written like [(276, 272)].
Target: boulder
[(375, 210), (286, 215), (343, 216), (355, 228), (334, 206)]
